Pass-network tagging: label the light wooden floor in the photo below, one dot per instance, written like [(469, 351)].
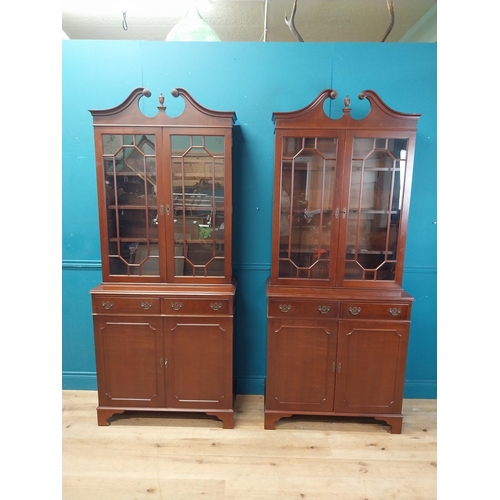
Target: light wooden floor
[(190, 457)]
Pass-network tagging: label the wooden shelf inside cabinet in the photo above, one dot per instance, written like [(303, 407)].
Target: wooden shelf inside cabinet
[(132, 207), (368, 252), (163, 314), (341, 196), (206, 241), (131, 239)]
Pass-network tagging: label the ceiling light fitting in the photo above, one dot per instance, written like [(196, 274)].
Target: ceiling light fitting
[(192, 28)]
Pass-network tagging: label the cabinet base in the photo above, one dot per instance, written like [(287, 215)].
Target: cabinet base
[(226, 416), (395, 421)]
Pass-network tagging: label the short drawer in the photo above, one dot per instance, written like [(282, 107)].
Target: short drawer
[(374, 310), (196, 307), (125, 305), (302, 309)]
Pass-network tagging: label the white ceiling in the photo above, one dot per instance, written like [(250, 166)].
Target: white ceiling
[(254, 20)]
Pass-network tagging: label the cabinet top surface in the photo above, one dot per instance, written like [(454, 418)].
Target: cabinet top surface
[(166, 289), (337, 293)]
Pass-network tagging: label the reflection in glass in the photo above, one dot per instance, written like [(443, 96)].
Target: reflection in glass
[(197, 164), (375, 200), (130, 192), (307, 181)]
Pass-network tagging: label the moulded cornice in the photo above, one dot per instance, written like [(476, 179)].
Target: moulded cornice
[(176, 92), (379, 110), (134, 96), (312, 116), (194, 114), (316, 107)]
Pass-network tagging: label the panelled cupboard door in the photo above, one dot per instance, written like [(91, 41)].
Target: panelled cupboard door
[(300, 365), (371, 365), (199, 355), (129, 361)]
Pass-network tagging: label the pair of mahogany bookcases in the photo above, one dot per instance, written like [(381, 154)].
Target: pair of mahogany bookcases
[(338, 318)]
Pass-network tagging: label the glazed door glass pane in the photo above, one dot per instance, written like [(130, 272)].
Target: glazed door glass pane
[(375, 198), (132, 215), (198, 165), (307, 183)]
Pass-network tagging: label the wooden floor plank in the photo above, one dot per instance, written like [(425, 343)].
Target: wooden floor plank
[(179, 457)]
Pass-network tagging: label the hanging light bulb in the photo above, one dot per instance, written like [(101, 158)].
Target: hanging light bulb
[(192, 28)]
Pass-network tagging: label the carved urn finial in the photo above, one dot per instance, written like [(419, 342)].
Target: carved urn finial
[(347, 102), (161, 99)]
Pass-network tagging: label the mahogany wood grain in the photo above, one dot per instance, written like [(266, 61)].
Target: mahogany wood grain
[(163, 337), (338, 318)]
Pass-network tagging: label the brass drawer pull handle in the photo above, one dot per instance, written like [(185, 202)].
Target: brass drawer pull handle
[(146, 305), (285, 307), (176, 305), (395, 311), (324, 309), (107, 304), (354, 310), (215, 306)]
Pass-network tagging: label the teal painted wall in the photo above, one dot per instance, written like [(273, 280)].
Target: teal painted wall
[(254, 80)]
